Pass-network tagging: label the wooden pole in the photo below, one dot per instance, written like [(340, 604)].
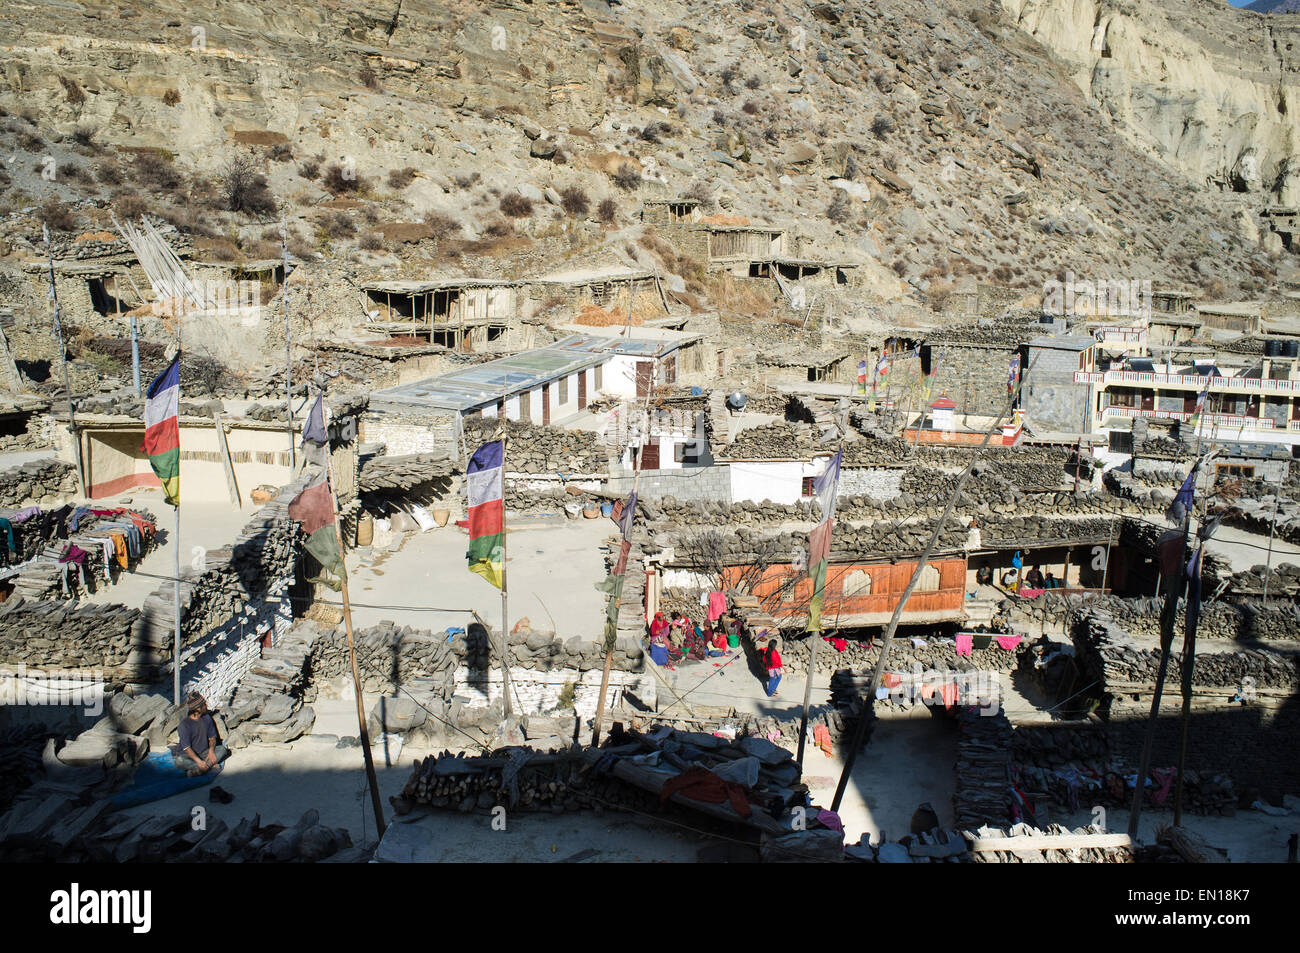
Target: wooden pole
[(176, 549), (1175, 586), (860, 729), (1268, 563), (362, 730), (816, 637), (176, 594), (1189, 661), (609, 646), (63, 357), (288, 352)]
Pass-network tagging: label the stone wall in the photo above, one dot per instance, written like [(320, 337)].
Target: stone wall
[(690, 483), (450, 670), (534, 449), (404, 431), (57, 635), (38, 482), (240, 594), (1120, 663)]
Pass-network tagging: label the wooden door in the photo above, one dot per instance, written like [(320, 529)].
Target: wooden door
[(1148, 400), (546, 404), (582, 390), (650, 455), (644, 375)]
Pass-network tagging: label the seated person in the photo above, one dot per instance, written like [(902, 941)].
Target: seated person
[(198, 750), (984, 575), (1034, 578), (718, 642), (1051, 582)]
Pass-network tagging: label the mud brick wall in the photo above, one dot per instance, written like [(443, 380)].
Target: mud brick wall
[(56, 635)]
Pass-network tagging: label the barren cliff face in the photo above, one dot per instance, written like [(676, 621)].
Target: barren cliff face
[(1206, 87)]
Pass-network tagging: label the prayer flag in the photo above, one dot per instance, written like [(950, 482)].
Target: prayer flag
[(862, 376), (819, 549), (824, 486), (313, 508), (1013, 374), (486, 515), (1182, 504), (162, 437), (1195, 419)]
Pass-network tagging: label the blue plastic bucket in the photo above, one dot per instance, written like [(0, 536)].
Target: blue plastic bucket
[(607, 509)]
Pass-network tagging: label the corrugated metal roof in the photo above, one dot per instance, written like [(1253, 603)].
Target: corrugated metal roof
[(483, 383)]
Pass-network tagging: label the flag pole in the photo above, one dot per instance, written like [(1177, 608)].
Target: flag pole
[(506, 709), (176, 582), (817, 632), (362, 731)]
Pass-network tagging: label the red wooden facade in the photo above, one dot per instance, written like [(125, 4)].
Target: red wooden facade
[(867, 603)]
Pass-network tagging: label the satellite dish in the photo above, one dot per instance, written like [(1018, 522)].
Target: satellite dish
[(737, 401)]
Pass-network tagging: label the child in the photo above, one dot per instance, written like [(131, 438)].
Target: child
[(772, 661), (719, 642)]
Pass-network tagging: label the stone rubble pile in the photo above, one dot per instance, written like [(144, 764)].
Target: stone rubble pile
[(56, 829), (983, 769), (60, 635), (534, 449), (38, 482)]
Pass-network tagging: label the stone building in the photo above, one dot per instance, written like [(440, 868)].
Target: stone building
[(1052, 398), (460, 313)]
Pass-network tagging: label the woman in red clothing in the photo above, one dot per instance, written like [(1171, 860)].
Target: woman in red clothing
[(772, 661)]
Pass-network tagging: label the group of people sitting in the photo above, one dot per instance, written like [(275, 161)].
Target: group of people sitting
[(1034, 579), (677, 638)]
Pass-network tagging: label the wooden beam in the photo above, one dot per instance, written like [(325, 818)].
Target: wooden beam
[(1048, 842)]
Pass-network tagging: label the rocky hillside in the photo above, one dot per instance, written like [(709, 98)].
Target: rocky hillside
[(1206, 88), (928, 141)]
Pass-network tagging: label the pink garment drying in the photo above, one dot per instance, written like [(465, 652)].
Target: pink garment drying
[(1008, 642), (717, 606), (964, 643)]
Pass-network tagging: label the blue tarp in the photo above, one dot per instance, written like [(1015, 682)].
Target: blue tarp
[(157, 777)]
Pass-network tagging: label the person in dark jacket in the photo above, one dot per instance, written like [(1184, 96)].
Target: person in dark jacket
[(198, 749)]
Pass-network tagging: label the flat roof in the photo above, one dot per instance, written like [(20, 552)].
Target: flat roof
[(1242, 308), (583, 275), (409, 287), (765, 229), (1064, 342), (483, 383)]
